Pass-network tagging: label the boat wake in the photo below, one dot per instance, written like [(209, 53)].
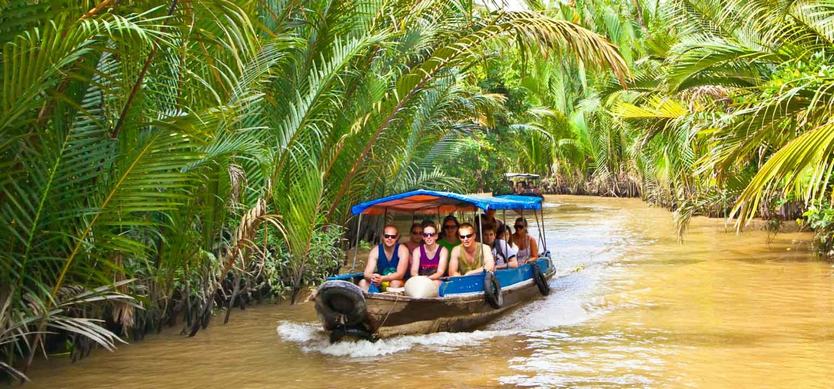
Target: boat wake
[(311, 338), (539, 316)]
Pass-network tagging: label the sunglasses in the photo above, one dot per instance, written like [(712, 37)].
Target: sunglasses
[(429, 234), (519, 226), (466, 236), (389, 236)]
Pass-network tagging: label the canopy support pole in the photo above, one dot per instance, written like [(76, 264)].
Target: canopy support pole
[(480, 226), (544, 235), (356, 246), (539, 227)]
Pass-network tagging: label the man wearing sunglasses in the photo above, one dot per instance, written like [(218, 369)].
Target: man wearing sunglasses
[(387, 263), (470, 256)]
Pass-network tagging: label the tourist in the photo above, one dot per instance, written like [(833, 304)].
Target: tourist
[(416, 237), (502, 252), (528, 249), (450, 233), (470, 256), (490, 219), (430, 258), (387, 264)]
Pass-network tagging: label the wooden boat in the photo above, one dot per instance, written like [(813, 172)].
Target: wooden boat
[(463, 302)]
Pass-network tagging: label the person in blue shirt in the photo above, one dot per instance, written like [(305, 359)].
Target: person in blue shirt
[(387, 263)]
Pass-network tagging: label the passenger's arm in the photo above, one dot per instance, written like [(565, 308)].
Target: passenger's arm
[(534, 250), (489, 261), (453, 262), (415, 262), (441, 266), (370, 266)]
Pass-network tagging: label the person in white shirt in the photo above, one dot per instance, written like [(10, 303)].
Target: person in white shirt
[(503, 252)]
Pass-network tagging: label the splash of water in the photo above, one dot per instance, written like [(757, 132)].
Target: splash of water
[(311, 339)]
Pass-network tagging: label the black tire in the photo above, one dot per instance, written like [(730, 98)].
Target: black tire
[(492, 290), (340, 302), (540, 279)]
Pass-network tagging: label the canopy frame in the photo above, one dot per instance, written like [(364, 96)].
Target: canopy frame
[(435, 202)]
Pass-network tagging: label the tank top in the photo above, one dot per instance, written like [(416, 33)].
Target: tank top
[(478, 261), (428, 266), (384, 265), (524, 254)]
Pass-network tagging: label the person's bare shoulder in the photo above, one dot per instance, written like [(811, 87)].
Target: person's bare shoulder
[(455, 251)]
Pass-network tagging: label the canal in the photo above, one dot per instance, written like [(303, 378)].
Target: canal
[(632, 306)]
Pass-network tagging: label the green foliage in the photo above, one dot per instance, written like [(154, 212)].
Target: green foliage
[(820, 217), (173, 157)]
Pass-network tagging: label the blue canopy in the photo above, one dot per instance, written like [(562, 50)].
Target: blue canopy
[(430, 202)]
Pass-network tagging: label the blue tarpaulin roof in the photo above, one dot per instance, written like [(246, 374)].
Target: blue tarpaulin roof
[(429, 201)]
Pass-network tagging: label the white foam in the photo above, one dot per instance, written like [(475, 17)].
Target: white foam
[(311, 339)]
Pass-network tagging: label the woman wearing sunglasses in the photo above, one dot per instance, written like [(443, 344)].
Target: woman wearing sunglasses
[(450, 233), (470, 256), (429, 258), (528, 249)]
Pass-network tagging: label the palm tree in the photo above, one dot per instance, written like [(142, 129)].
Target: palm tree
[(147, 146), (754, 79)]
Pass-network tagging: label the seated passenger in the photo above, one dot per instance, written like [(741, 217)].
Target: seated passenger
[(528, 249), (387, 264), (470, 256), (430, 258), (416, 237), (502, 252), (489, 219), (450, 233)]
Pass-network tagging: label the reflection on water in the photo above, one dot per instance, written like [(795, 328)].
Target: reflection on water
[(632, 307)]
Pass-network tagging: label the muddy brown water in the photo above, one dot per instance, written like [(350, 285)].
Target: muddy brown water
[(632, 308)]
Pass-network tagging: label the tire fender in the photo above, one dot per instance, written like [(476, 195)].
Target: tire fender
[(540, 279), (492, 290), (340, 302)]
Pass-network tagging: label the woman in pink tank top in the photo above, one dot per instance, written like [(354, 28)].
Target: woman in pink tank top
[(429, 259)]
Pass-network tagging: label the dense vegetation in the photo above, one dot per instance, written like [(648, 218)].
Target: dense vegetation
[(728, 112), (161, 159)]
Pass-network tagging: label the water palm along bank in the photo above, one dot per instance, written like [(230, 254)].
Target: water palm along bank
[(461, 302), (162, 159)]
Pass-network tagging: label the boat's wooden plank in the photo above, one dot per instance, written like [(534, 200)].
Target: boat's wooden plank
[(404, 318)]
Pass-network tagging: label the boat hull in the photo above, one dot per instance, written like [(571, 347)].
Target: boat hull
[(462, 305), (397, 315)]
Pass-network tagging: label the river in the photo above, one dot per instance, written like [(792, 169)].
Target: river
[(632, 307)]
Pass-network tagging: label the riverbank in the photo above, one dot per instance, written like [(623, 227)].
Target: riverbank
[(632, 307)]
